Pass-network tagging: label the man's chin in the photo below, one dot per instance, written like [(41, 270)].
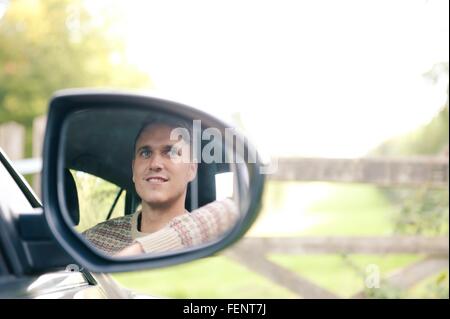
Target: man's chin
[(157, 202)]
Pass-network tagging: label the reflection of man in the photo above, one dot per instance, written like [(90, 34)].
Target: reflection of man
[(161, 174)]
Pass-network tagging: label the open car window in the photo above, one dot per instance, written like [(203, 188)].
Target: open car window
[(11, 194), (96, 198)]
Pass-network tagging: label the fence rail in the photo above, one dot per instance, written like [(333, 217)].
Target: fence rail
[(416, 171), (438, 246), (252, 252)]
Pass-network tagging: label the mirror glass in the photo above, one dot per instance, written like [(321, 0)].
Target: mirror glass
[(137, 181)]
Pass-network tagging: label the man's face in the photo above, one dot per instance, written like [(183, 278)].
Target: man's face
[(158, 179)]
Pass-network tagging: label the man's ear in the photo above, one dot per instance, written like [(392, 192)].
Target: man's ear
[(192, 171)]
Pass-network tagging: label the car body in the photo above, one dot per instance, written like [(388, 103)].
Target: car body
[(62, 282)]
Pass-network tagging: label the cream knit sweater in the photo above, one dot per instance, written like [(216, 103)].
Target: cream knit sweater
[(200, 226)]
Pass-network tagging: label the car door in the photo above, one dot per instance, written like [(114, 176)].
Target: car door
[(16, 198)]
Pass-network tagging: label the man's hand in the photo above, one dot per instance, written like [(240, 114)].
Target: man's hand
[(132, 250)]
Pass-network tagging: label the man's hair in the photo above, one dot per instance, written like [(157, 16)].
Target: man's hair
[(166, 120)]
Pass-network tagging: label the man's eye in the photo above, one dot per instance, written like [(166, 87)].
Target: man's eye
[(145, 153), (174, 152)]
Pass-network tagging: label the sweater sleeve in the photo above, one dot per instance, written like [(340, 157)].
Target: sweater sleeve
[(200, 226)]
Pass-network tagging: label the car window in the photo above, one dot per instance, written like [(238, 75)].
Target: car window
[(96, 197), (10, 193)]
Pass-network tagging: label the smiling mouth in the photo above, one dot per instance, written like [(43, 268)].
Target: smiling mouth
[(156, 179)]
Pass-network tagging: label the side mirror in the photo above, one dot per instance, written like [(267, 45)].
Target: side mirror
[(122, 168)]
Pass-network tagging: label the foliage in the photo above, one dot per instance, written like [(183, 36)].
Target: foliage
[(423, 211), (431, 138), (96, 197), (438, 288)]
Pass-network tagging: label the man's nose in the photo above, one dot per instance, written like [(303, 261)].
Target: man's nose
[(156, 162)]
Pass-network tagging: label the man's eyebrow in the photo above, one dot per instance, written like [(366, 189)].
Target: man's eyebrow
[(144, 147), (163, 147)]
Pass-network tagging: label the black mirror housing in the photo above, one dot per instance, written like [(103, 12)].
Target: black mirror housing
[(65, 104)]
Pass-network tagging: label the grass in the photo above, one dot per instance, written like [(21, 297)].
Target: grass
[(353, 210), (341, 276), (213, 277), (293, 209), (435, 286)]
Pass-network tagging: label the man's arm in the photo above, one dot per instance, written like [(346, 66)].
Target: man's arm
[(202, 225), (133, 249)]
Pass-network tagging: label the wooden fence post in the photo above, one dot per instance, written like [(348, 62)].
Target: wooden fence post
[(38, 142), (12, 140)]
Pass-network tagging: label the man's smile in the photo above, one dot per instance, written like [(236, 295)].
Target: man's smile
[(157, 179)]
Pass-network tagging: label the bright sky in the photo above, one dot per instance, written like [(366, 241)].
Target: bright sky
[(310, 78)]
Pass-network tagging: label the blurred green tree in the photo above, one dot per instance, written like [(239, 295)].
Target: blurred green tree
[(47, 45), (429, 139)]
